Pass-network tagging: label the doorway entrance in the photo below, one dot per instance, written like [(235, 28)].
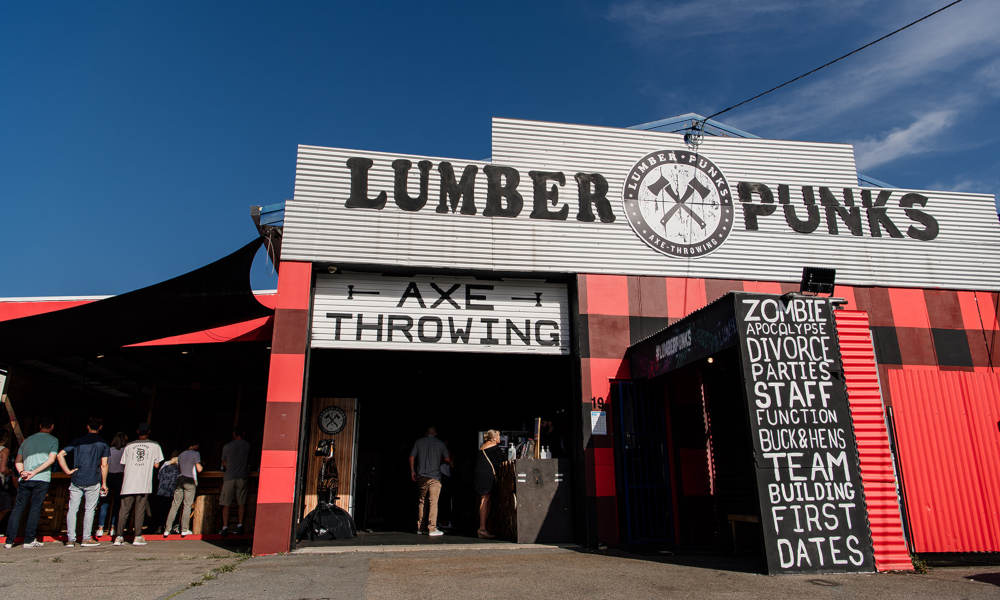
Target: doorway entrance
[(402, 393), (686, 460)]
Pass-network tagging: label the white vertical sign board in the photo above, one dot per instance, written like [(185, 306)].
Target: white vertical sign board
[(440, 313)]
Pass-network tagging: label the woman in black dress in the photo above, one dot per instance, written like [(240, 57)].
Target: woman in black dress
[(484, 477)]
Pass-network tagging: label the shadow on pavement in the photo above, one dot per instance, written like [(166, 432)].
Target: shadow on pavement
[(399, 538), (715, 562), (991, 578)]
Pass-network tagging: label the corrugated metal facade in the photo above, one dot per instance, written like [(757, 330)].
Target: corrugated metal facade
[(949, 451), (878, 476), (318, 227)]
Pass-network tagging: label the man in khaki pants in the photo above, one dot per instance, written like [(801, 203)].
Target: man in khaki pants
[(425, 469)]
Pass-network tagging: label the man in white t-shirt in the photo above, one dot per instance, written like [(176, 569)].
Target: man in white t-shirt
[(140, 458)]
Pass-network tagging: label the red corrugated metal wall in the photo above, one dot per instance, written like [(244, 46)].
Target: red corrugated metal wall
[(877, 474), (949, 451)]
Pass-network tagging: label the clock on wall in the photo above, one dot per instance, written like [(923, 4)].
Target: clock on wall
[(332, 420)]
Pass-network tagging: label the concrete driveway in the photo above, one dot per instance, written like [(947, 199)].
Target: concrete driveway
[(199, 570)]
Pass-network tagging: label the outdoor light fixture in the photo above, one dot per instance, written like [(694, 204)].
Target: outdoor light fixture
[(331, 269), (710, 360), (817, 280), (100, 356)]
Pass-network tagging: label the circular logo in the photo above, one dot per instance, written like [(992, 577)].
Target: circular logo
[(332, 420), (678, 203)]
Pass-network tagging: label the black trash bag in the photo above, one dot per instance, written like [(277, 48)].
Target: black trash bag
[(327, 522)]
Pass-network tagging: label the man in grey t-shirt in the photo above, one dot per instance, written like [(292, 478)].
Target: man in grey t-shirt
[(425, 469), (236, 464)]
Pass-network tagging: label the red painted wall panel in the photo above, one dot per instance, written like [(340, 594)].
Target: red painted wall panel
[(949, 451), (878, 476)]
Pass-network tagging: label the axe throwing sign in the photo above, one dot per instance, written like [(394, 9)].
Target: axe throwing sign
[(440, 313), (678, 203)]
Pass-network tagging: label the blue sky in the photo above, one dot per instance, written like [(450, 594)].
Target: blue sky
[(134, 137)]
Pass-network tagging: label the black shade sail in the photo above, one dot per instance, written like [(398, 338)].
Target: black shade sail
[(211, 296)]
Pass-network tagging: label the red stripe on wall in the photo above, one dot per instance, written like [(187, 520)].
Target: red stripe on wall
[(277, 484), (278, 459), (987, 310), (878, 476), (607, 294), (762, 287), (294, 284), (909, 307), (949, 452), (684, 295), (285, 376)]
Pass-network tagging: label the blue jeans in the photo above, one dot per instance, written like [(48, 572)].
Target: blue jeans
[(32, 494), (90, 495), (111, 502)]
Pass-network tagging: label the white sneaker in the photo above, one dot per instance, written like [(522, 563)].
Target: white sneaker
[(435, 533), (100, 532), (90, 543), (186, 532), (69, 543), (8, 546), (34, 544), (118, 541), (139, 541)]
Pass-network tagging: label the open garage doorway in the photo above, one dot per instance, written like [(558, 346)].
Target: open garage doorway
[(399, 394)]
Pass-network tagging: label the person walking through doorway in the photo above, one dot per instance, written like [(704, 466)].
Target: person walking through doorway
[(34, 467), (140, 458), (425, 470), (484, 477), (88, 479)]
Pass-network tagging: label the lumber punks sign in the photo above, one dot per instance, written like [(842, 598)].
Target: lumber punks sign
[(808, 479), (439, 313)]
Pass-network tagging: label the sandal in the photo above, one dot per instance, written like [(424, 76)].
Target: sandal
[(485, 534)]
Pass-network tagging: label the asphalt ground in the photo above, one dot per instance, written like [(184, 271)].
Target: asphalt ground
[(201, 570)]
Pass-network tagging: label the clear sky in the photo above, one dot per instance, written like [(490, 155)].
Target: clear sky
[(134, 137)]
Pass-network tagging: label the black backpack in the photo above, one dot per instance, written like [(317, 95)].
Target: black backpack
[(327, 522)]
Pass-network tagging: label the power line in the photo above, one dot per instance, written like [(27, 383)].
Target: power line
[(836, 60)]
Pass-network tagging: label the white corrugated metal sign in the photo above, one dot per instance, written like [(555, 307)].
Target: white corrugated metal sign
[(579, 199), (452, 314)]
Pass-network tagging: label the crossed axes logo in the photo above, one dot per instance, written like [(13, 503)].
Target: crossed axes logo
[(662, 185), (705, 200)]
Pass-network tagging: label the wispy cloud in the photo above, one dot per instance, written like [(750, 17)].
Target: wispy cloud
[(915, 72), (916, 138), (692, 18)]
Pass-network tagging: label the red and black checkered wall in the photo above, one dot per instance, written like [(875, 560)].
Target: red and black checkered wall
[(911, 328)]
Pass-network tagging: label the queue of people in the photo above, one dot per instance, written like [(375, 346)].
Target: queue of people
[(114, 479)]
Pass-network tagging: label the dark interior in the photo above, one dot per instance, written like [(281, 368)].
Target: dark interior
[(186, 393), (710, 457), (401, 393)]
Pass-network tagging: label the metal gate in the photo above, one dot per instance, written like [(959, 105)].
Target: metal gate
[(644, 464)]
